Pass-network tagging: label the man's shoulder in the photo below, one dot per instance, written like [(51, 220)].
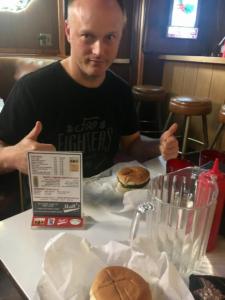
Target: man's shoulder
[(44, 75), (116, 81)]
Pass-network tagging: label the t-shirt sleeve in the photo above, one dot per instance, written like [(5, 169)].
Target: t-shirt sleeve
[(128, 115), (17, 117)]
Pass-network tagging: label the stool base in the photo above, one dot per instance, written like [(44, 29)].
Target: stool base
[(185, 130)]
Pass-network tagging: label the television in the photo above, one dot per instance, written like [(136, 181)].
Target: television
[(183, 19)]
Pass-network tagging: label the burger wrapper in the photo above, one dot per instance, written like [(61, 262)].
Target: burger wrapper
[(71, 264), (102, 188)]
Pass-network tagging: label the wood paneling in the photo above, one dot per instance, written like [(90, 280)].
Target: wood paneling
[(203, 80), (190, 76)]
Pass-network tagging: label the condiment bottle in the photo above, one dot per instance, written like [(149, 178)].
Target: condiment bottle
[(219, 206), (204, 194)]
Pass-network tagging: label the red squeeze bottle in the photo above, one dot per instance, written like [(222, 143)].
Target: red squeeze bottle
[(204, 190), (220, 177)]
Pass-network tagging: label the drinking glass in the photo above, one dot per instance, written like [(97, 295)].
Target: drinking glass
[(176, 221)]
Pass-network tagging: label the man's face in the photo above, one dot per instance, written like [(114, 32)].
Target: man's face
[(94, 30)]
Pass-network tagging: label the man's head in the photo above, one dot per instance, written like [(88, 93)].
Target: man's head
[(93, 29), (120, 2)]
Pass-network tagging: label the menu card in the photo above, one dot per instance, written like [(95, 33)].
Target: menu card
[(56, 187)]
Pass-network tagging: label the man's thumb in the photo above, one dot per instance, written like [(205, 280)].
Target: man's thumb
[(34, 133), (172, 129)]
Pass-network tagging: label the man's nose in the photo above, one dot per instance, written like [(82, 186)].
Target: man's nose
[(97, 48)]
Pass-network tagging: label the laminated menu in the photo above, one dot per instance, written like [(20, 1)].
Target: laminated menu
[(55, 180)]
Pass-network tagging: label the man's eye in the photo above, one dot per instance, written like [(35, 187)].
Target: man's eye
[(87, 37), (110, 37)]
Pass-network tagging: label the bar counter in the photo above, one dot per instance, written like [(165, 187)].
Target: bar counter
[(197, 59)]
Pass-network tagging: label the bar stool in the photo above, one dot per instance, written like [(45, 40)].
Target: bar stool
[(221, 118), (150, 100), (188, 107)]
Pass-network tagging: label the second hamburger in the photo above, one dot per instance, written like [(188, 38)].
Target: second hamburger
[(133, 177)]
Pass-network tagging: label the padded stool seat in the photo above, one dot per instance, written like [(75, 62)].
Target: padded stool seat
[(149, 99), (188, 107), (148, 92), (221, 118)]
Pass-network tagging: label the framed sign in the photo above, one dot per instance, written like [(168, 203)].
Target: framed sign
[(183, 19)]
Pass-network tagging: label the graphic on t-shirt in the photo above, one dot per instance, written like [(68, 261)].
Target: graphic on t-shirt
[(92, 135), (94, 138)]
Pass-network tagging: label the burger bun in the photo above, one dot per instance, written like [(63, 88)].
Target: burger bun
[(132, 178), (119, 283)]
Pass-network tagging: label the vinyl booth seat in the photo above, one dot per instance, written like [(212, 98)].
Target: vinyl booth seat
[(11, 69), (14, 67)]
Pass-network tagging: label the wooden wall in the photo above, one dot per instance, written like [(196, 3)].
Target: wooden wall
[(19, 32)]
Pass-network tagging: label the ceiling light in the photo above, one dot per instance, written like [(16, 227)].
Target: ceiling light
[(14, 5)]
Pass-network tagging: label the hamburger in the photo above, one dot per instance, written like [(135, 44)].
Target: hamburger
[(132, 178), (119, 283)]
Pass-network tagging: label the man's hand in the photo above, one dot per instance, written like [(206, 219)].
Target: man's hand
[(168, 143), (28, 143)]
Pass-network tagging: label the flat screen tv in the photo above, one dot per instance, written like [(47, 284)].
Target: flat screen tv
[(183, 19)]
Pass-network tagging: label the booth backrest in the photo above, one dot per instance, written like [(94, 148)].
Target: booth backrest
[(13, 68)]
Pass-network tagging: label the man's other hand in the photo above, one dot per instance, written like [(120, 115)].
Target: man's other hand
[(169, 146)]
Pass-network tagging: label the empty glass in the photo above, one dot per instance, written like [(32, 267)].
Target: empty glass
[(177, 220)]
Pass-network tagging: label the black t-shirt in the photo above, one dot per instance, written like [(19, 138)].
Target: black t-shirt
[(74, 118)]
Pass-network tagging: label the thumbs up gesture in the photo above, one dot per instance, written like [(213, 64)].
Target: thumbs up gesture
[(28, 143), (168, 143)]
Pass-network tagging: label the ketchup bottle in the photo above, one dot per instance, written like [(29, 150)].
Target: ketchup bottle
[(220, 177), (205, 181)]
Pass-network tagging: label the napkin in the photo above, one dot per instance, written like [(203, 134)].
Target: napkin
[(71, 264), (132, 199), (102, 188)]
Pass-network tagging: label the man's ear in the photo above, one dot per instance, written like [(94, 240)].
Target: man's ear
[(67, 30)]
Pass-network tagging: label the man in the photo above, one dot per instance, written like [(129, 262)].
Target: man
[(77, 104)]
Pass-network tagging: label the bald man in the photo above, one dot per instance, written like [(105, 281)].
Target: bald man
[(78, 104)]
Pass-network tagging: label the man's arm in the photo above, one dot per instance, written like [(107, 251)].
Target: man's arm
[(143, 150), (15, 157)]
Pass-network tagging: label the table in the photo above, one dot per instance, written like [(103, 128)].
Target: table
[(22, 248)]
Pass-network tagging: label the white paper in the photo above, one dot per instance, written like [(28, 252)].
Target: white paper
[(71, 264), (55, 182)]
